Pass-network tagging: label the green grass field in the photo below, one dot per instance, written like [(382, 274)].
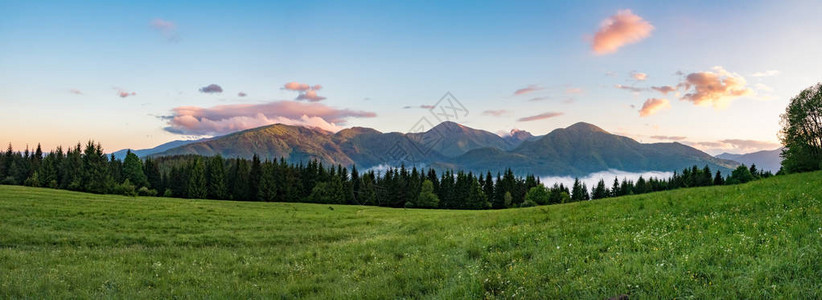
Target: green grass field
[(758, 240)]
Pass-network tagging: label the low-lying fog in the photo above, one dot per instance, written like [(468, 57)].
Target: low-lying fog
[(592, 179)]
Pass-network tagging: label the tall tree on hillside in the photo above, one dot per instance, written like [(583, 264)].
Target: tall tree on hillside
[(239, 180), (576, 190), (133, 170), (196, 187), (801, 132), (600, 191), (153, 176), (268, 184), (48, 171), (215, 178), (71, 170), (254, 177), (718, 179), (95, 174)]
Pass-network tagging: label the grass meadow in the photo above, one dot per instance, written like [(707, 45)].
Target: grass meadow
[(757, 240)]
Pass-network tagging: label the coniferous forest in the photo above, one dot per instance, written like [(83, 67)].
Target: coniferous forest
[(88, 169)]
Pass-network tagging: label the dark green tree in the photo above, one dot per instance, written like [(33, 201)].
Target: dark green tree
[(133, 170), (153, 175), (196, 187), (268, 185), (718, 179), (215, 178), (254, 177)]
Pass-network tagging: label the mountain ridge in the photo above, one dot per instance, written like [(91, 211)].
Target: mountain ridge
[(579, 149)]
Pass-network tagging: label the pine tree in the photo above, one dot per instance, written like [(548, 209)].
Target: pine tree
[(133, 170), (254, 177), (268, 186), (153, 176), (719, 180), (196, 187), (600, 191), (95, 176), (239, 180), (215, 178), (576, 191)]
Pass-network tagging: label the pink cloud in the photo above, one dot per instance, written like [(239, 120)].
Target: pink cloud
[(222, 119), (573, 90), (307, 92), (123, 93), (619, 30), (310, 95), (717, 87), (541, 116), (296, 86), (652, 106), (639, 76), (495, 113), (528, 89), (76, 91), (664, 89), (539, 98)]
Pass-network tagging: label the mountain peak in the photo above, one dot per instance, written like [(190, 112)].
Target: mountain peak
[(582, 126)]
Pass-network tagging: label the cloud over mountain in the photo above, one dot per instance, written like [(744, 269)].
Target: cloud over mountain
[(541, 116), (306, 92), (619, 30), (652, 106), (222, 119)]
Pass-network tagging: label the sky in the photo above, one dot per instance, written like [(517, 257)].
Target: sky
[(714, 75)]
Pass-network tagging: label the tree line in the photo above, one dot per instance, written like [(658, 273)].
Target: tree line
[(88, 169)]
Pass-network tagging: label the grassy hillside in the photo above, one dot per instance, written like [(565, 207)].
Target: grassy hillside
[(757, 240)]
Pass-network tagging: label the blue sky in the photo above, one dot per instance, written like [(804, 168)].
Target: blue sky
[(63, 65)]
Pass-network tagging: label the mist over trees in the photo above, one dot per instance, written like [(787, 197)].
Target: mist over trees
[(88, 169), (801, 131)]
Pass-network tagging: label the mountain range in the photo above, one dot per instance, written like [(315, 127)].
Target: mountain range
[(577, 150), (768, 160)]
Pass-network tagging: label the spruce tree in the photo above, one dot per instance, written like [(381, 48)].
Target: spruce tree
[(196, 187), (268, 186), (215, 178), (133, 170)]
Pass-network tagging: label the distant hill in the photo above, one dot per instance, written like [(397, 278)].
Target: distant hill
[(577, 150), (456, 139), (121, 154), (769, 160), (584, 148), (294, 143)]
